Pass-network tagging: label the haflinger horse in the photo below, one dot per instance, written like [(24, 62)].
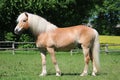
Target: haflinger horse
[(51, 38)]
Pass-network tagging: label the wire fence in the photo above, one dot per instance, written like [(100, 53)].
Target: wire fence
[(25, 46)]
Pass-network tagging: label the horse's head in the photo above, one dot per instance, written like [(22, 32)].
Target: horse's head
[(22, 23)]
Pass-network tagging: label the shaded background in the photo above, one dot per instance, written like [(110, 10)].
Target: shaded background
[(104, 15)]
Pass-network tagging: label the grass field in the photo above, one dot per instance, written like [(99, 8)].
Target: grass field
[(26, 65), (110, 39)]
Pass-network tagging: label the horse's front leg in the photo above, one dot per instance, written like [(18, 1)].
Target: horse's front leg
[(52, 53), (43, 57)]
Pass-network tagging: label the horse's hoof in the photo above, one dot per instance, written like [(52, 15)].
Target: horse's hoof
[(93, 74), (43, 74), (58, 74), (83, 74)]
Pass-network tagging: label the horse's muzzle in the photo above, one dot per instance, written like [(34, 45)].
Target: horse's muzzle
[(18, 30)]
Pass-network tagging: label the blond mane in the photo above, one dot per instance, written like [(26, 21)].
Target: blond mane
[(37, 24)]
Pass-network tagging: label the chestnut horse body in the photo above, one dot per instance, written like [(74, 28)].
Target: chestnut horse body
[(51, 38)]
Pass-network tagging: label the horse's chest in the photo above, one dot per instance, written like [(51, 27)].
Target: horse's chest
[(41, 42)]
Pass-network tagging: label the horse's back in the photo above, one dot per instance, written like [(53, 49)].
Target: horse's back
[(86, 34)]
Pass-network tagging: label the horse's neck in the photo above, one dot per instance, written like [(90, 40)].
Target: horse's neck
[(39, 25)]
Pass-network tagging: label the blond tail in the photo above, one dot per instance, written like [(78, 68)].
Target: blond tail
[(96, 51)]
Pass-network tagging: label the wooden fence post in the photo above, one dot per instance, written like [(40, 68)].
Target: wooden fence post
[(106, 49), (13, 47), (71, 52)]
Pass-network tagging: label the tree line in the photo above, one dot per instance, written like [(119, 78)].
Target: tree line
[(104, 15)]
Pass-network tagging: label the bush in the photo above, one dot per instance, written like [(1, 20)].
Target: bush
[(9, 36), (26, 38)]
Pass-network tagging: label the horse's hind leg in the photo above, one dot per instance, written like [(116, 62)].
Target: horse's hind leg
[(52, 53), (86, 59)]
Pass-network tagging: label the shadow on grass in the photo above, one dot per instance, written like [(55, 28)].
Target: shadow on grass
[(76, 74), (65, 74), (70, 74)]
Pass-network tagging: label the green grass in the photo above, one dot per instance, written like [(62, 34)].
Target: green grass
[(110, 39), (26, 65)]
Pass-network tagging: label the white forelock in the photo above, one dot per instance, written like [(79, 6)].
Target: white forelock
[(21, 17)]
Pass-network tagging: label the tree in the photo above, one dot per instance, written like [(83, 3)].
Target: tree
[(60, 12), (103, 14), (106, 16)]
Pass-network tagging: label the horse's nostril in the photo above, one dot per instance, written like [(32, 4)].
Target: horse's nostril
[(16, 31)]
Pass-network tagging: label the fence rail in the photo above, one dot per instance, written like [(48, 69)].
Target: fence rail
[(11, 45), (14, 46)]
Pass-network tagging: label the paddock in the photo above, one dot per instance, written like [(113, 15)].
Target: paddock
[(27, 65)]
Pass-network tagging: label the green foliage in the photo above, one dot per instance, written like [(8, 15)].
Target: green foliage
[(26, 46), (25, 38), (9, 36), (59, 12), (103, 14), (108, 16)]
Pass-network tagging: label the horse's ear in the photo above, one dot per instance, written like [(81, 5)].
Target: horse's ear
[(26, 14)]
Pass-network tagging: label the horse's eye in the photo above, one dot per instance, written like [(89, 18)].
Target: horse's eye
[(24, 20)]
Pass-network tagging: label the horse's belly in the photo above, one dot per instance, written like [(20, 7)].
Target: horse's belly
[(66, 48)]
